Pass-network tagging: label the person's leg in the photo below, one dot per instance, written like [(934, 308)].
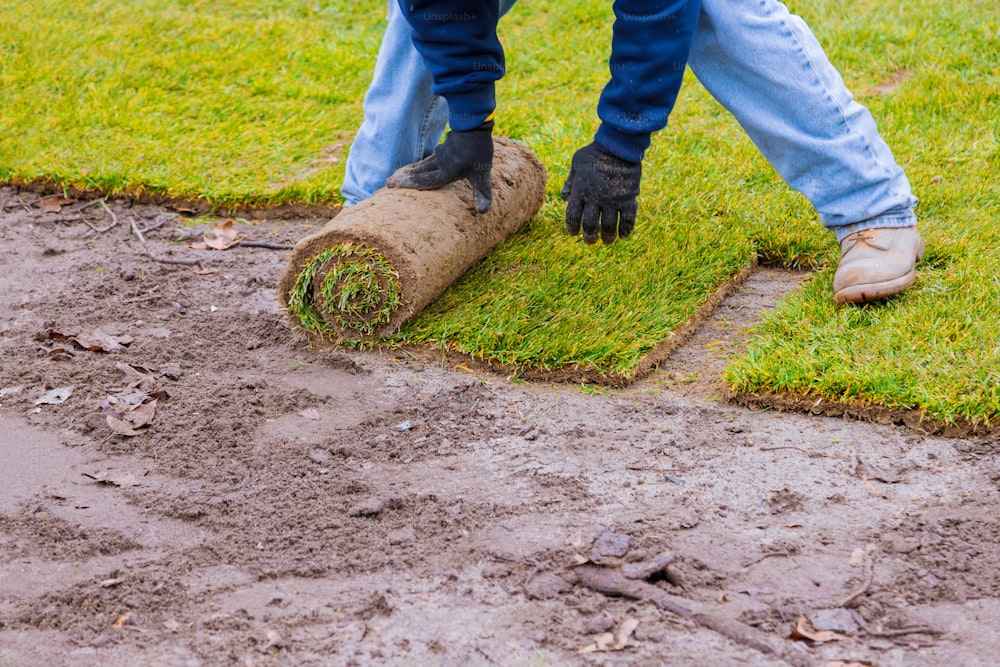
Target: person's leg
[(765, 66), (403, 119)]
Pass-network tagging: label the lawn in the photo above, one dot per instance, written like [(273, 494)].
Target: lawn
[(253, 103)]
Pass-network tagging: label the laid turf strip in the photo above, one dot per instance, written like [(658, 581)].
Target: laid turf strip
[(254, 103)]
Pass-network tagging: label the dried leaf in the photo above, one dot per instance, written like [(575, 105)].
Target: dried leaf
[(54, 396), (222, 237), (128, 414), (607, 641), (310, 413), (54, 203), (274, 642), (805, 630), (95, 341), (624, 633), (138, 377), (183, 210), (109, 478), (99, 341), (857, 557), (121, 427), (120, 622)]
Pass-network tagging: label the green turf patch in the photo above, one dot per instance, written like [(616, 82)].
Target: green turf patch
[(936, 349), (252, 103)]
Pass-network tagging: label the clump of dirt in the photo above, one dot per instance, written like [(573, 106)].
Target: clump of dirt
[(285, 504)]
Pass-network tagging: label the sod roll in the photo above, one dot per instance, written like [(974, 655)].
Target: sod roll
[(378, 264)]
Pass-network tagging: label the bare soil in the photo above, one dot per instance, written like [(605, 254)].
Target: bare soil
[(287, 505)]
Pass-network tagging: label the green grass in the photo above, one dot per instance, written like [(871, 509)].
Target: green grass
[(244, 103), (357, 292)]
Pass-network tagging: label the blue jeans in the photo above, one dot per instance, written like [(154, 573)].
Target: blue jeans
[(761, 62)]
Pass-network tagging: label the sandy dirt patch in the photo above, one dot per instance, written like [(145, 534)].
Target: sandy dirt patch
[(282, 505)]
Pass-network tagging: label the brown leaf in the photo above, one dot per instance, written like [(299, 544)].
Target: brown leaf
[(95, 341), (138, 377), (129, 414), (183, 210), (222, 237), (122, 619), (54, 203), (122, 427), (99, 341), (805, 630)]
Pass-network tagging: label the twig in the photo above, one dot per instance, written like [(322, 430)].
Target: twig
[(265, 244), (899, 632), (145, 297), (772, 554), (609, 581), (162, 260), (807, 452), (86, 205), (159, 223), (865, 585), (101, 230)]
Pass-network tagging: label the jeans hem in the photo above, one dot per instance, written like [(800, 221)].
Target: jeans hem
[(895, 221)]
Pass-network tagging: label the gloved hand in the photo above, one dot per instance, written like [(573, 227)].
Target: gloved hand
[(464, 154), (601, 190)]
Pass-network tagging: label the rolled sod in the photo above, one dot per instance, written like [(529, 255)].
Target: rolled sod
[(376, 265)]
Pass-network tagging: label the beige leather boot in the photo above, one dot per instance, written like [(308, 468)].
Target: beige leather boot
[(876, 263)]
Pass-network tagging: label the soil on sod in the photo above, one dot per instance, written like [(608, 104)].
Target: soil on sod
[(288, 505)]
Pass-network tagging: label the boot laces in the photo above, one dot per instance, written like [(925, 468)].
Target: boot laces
[(866, 236)]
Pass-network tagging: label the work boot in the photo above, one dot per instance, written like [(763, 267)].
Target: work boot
[(876, 263)]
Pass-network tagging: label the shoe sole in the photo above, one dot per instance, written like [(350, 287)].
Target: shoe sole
[(875, 291)]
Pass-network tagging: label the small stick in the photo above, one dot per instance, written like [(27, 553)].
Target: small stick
[(899, 632), (162, 260), (101, 230), (159, 223), (807, 452), (611, 582), (864, 586), (265, 244), (88, 204)]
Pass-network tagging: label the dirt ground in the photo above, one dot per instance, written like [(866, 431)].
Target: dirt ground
[(189, 483)]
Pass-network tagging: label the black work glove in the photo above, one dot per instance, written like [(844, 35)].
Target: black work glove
[(464, 154), (601, 190)]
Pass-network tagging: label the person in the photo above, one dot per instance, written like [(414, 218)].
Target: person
[(764, 65)]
